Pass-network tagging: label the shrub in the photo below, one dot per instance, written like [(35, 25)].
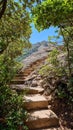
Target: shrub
[(11, 110)]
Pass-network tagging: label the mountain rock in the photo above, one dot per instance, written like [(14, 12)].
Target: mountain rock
[(38, 51)]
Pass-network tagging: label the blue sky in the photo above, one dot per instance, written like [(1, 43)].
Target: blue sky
[(43, 35)]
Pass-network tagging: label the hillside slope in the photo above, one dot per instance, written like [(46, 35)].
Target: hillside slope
[(38, 51)]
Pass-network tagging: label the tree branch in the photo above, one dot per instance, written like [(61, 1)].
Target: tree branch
[(66, 31), (1, 2), (4, 2), (68, 52)]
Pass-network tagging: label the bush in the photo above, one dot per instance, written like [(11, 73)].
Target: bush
[(12, 114), (54, 68), (65, 91)]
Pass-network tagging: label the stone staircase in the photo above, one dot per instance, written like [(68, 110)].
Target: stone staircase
[(40, 117), (21, 76)]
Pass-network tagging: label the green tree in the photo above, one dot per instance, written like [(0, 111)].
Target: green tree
[(53, 65), (55, 13), (15, 32), (58, 13), (25, 3)]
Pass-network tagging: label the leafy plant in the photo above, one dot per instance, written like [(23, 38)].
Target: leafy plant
[(15, 31), (53, 66), (12, 112), (57, 13)]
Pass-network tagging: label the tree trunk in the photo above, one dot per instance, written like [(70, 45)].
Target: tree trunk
[(3, 3), (68, 52)]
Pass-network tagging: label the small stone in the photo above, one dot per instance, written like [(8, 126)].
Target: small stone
[(49, 106), (45, 85), (31, 77), (40, 82), (38, 77), (34, 83)]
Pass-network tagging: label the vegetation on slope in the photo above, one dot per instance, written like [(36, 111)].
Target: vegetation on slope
[(58, 13)]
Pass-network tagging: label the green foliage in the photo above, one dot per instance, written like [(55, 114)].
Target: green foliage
[(66, 92), (15, 26), (61, 94), (53, 66), (53, 12), (8, 68), (15, 32), (70, 89), (11, 110), (55, 69), (68, 38), (57, 13)]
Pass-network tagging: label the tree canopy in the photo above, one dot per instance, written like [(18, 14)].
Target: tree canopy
[(53, 13), (25, 3), (56, 13), (15, 32)]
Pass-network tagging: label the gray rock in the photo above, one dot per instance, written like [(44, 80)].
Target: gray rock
[(34, 83), (40, 82)]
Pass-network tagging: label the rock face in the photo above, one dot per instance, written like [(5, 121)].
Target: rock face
[(37, 52)]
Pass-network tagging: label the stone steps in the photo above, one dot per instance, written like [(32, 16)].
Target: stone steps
[(20, 75), (34, 90), (28, 90), (36, 101), (42, 119), (18, 81), (27, 71), (39, 116), (52, 128)]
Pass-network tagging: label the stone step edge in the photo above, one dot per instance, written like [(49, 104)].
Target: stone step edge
[(42, 119)]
